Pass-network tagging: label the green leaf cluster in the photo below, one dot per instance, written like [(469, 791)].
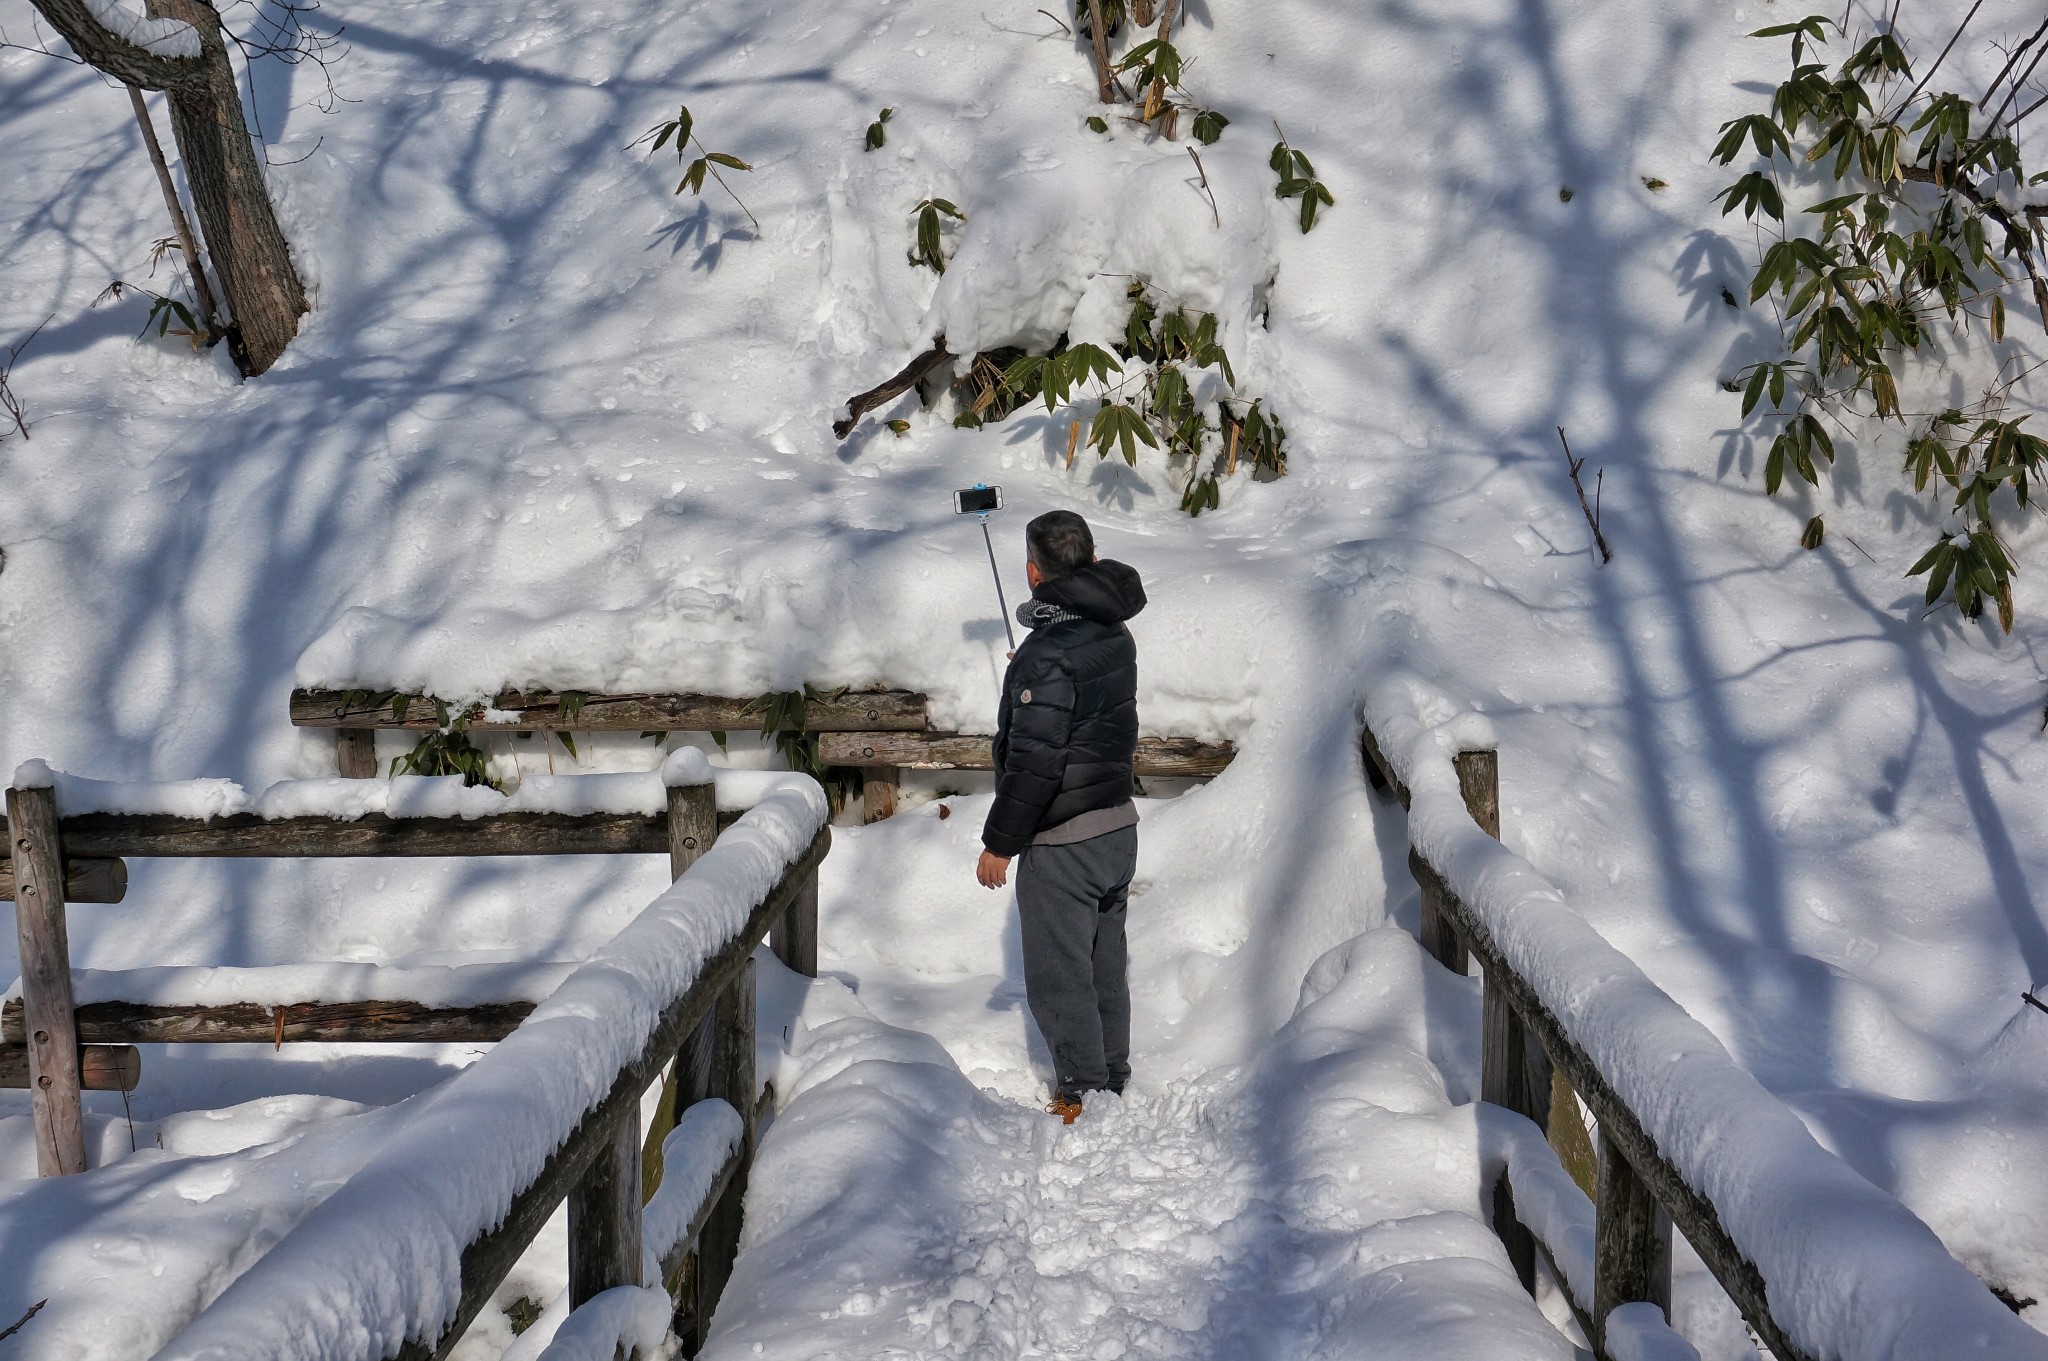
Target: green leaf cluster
[(784, 715), (682, 131), (927, 216), (1915, 244), (1209, 126), (1298, 180), (877, 133)]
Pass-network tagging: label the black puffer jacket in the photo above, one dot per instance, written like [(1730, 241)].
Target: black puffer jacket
[(1067, 734)]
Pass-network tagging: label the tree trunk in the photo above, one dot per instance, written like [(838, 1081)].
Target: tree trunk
[(250, 254), (249, 251)]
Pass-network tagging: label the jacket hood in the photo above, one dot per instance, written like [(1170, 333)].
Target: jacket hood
[(1106, 592)]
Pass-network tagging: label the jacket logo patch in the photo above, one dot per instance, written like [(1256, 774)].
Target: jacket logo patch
[(1024, 697)]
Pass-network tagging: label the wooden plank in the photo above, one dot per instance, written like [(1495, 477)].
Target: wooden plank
[(45, 954), (794, 937), (1690, 1212), (1631, 1243), (486, 1261), (543, 711), (878, 789), (1479, 783), (251, 1023), (101, 1067), (87, 879), (604, 1217), (1434, 929), (686, 1246), (355, 753), (1157, 756)]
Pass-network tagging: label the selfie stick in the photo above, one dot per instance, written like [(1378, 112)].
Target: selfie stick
[(996, 571)]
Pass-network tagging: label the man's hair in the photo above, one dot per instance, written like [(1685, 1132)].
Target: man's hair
[(1059, 544)]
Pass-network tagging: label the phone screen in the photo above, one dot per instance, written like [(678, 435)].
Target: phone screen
[(979, 501)]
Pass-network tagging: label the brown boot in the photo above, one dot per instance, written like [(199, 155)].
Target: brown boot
[(1065, 1106)]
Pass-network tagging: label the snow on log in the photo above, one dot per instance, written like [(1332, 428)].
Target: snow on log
[(1849, 1273), (473, 1169), (1157, 756), (546, 711)]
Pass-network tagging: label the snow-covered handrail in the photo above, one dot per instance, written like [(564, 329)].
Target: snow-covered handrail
[(1823, 1264), (400, 1259)]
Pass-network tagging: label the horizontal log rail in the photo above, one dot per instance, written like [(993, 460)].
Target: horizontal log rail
[(548, 711), (101, 1067), (86, 880), (289, 1023), (1640, 1194), (247, 835), (1159, 757)]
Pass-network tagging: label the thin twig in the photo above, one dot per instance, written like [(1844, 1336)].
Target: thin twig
[(1213, 211), (1592, 515), (1952, 39), (15, 1327), (1860, 548), (9, 403), (202, 292), (1056, 19)]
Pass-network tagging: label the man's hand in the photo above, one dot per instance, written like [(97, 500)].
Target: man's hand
[(994, 870)]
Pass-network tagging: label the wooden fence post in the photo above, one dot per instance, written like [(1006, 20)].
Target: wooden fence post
[(48, 1015), (718, 1061), (355, 753), (878, 788), (604, 1218), (692, 825), (1434, 930), (794, 938), (1632, 1243), (1507, 1076)]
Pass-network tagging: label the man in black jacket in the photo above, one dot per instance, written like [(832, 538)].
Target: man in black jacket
[(1066, 742)]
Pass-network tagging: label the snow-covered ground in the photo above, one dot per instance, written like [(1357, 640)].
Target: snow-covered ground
[(548, 424)]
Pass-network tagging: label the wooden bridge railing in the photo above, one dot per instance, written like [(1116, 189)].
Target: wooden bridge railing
[(659, 995), (1642, 1189), (879, 732)]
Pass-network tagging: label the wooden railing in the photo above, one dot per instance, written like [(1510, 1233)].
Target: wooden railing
[(1641, 1192), (53, 854), (879, 732), (704, 1038)]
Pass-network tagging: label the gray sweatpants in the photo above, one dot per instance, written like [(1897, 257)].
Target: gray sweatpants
[(1071, 901)]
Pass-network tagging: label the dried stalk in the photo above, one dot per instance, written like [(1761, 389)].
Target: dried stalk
[(1591, 511)]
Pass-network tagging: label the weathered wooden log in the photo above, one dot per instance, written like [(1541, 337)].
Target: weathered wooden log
[(372, 834), (794, 937), (672, 1265), (101, 1067), (1631, 1243), (1692, 1213), (545, 711), (604, 1217), (906, 378), (253, 1023), (44, 950), (355, 753), (87, 879), (878, 789), (1157, 756), (486, 1261)]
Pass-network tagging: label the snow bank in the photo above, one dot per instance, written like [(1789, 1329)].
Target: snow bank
[(407, 796), (379, 1261), (1851, 1272)]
